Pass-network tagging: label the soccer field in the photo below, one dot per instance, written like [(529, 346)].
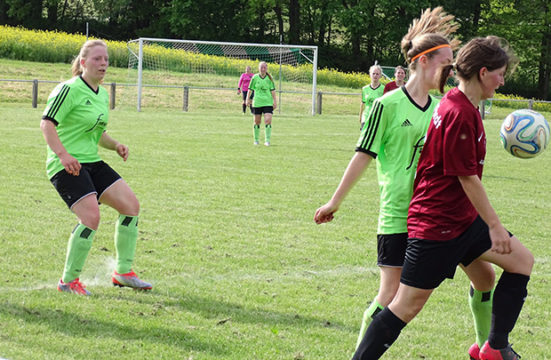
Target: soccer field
[(239, 268)]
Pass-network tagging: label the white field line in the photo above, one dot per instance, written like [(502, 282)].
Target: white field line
[(102, 276)]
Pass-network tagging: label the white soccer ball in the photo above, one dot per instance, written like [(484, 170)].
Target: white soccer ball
[(524, 133)]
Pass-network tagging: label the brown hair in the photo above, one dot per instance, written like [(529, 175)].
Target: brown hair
[(431, 29), (76, 68), (490, 52), (267, 73)]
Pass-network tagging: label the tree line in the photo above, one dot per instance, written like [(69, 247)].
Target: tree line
[(351, 34)]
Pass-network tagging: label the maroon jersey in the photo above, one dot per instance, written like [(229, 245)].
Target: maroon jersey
[(390, 86), (455, 146)]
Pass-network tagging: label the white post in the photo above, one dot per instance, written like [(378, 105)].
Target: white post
[(314, 80), (140, 73), (280, 73)]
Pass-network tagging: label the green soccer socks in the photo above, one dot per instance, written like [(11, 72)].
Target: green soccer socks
[(268, 132), (373, 309), (78, 247), (126, 235), (481, 307)]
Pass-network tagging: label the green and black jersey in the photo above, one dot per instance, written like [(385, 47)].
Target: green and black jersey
[(394, 134), (263, 87), (368, 97), (80, 115)]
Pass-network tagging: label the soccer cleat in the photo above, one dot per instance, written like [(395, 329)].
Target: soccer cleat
[(130, 280), (255, 143), (474, 352), (75, 287), (267, 143), (487, 353)]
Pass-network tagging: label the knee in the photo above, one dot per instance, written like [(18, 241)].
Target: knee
[(528, 262), (384, 297), (485, 279), (132, 207), (91, 219)]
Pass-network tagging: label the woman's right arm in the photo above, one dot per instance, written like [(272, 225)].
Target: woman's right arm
[(71, 165), (362, 107), (239, 84), (353, 172)]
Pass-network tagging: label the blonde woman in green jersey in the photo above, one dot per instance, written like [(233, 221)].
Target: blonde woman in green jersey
[(74, 124), (264, 102), (394, 135), (371, 92)]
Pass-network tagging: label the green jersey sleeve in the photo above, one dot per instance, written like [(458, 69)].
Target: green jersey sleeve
[(59, 104)]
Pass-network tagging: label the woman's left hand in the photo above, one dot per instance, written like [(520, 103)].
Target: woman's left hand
[(122, 150)]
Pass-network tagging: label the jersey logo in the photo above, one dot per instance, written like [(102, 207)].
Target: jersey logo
[(98, 122), (407, 123), (416, 148), (88, 102), (436, 118)]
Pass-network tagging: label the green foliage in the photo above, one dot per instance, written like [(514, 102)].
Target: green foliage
[(49, 46)]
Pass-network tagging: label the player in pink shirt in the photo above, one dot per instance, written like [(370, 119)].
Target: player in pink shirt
[(243, 86)]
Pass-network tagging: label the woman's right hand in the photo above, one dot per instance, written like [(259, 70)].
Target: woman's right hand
[(325, 213), (71, 165)]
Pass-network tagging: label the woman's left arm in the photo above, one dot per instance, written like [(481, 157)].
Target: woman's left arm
[(108, 142)]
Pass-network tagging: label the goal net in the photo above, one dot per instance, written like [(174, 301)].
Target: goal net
[(204, 74)]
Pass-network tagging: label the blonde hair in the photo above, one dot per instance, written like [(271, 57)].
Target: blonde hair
[(267, 73), (432, 29), (76, 68), (375, 67)]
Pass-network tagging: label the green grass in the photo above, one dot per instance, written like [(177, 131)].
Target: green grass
[(240, 270)]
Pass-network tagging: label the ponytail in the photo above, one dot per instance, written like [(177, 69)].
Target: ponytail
[(270, 76), (76, 67)]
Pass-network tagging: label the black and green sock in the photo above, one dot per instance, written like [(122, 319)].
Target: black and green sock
[(78, 247), (126, 235), (268, 133), (480, 303), (256, 132)]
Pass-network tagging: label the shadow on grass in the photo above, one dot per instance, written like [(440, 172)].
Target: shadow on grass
[(75, 325), (220, 311)]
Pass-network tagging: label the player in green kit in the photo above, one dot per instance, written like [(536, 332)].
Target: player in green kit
[(73, 125), (264, 102), (371, 92), (394, 135)]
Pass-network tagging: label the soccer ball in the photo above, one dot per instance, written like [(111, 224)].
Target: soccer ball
[(524, 133)]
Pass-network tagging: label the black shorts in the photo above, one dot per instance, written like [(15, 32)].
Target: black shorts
[(245, 95), (427, 263), (263, 110), (94, 178), (391, 249)]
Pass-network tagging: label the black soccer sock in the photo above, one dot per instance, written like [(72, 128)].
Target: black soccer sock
[(381, 333), (509, 297), (244, 108)]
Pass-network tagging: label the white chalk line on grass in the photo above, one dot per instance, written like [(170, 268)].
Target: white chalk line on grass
[(102, 277), (102, 268)]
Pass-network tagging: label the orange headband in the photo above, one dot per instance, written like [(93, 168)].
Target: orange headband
[(429, 50)]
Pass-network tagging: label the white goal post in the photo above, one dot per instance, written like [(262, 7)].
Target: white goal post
[(293, 67)]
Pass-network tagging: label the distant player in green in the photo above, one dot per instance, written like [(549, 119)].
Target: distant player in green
[(73, 124), (394, 135), (371, 92), (264, 102)]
